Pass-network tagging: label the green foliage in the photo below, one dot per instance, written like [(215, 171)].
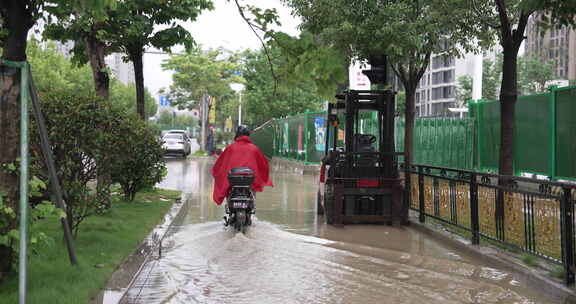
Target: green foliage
[(82, 130), (464, 90), (401, 103), (107, 239), (529, 259), (125, 97), (303, 60), (90, 135), (406, 31), (130, 26), (165, 118), (200, 72), (38, 238), (264, 100), (53, 71), (533, 74), (138, 163), (558, 272), (532, 77)]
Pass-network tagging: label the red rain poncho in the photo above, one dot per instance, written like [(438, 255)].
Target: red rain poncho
[(242, 153)]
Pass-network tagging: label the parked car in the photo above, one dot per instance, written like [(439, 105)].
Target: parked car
[(176, 143)]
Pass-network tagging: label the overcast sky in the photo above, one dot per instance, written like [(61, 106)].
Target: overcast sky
[(221, 27)]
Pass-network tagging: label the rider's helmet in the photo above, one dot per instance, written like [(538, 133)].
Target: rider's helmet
[(242, 130)]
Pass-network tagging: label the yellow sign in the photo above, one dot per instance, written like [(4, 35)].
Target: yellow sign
[(212, 113), (340, 134), (228, 125)]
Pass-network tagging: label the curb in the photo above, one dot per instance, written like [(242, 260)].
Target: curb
[(502, 259), (141, 255)]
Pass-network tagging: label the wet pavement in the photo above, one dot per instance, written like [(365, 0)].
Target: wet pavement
[(290, 256)]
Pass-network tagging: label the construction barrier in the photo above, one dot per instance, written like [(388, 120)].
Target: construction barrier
[(544, 141)]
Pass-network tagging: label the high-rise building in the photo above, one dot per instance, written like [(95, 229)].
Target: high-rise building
[(557, 44), (123, 71), (436, 91)]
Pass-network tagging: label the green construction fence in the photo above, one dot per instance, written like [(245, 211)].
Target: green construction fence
[(544, 141)]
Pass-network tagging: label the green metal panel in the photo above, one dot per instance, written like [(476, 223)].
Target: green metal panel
[(566, 133), (545, 134), (532, 135), (489, 135), (263, 137)]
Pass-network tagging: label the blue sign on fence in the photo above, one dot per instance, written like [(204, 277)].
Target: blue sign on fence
[(320, 127), (164, 101)]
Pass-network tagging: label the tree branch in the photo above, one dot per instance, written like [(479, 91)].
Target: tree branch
[(252, 26), (505, 29), (519, 32), (481, 16), (424, 66)]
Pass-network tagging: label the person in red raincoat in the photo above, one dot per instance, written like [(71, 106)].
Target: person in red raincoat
[(242, 153)]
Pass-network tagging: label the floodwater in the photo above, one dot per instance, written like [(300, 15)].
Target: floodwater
[(290, 256)]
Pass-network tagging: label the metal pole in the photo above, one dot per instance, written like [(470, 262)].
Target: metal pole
[(203, 122), (553, 132), (474, 217), (57, 193), (240, 108), (22, 274)]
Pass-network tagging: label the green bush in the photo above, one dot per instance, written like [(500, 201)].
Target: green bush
[(83, 134), (138, 162)]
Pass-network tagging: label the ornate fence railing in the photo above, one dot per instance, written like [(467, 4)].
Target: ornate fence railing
[(530, 215)]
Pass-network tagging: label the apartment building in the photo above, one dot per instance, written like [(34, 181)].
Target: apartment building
[(558, 44), (436, 91), (123, 71)]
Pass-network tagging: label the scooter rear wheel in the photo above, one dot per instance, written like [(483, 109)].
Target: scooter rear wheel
[(240, 223)]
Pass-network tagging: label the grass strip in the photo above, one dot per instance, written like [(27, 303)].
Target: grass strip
[(103, 240)]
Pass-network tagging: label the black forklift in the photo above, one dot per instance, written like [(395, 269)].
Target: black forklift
[(360, 172)]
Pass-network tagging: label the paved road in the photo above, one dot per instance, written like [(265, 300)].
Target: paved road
[(291, 256)]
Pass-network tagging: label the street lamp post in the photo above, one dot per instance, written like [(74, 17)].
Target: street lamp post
[(238, 87), (240, 108)]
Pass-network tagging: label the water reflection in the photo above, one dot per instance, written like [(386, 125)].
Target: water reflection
[(290, 256)]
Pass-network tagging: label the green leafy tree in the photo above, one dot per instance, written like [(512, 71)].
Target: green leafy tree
[(201, 72), (264, 99), (509, 19), (408, 32), (131, 28), (165, 118), (463, 90), (491, 78), (53, 71), (16, 19), (125, 97), (141, 165), (491, 74), (533, 74), (86, 28)]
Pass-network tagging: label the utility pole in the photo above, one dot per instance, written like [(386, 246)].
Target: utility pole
[(240, 108), (203, 119)]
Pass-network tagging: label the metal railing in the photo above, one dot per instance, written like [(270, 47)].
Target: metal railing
[(530, 215)]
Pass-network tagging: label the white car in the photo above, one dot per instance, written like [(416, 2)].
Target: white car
[(176, 143)]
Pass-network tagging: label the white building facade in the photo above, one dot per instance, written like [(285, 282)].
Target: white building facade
[(436, 91), (123, 71)]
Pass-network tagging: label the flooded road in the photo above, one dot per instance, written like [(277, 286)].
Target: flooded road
[(290, 256)]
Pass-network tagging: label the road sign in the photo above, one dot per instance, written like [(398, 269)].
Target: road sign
[(164, 101)]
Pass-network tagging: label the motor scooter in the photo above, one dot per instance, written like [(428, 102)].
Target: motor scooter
[(240, 200)]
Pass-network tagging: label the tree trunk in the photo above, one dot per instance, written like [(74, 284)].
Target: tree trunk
[(95, 51), (136, 57), (18, 21), (409, 131), (508, 97)]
